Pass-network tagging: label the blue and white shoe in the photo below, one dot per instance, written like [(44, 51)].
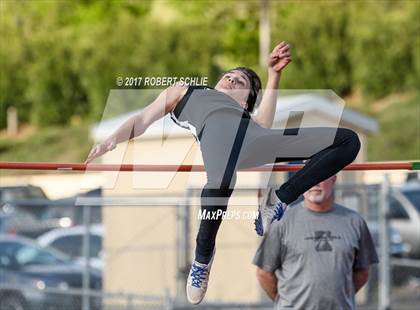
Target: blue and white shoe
[(270, 209), (198, 280)]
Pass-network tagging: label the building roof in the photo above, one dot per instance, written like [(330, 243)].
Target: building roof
[(329, 107)]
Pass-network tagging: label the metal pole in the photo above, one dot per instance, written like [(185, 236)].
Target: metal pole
[(183, 246), (86, 255), (384, 266), (12, 121), (264, 32), (129, 302), (168, 304), (179, 254)]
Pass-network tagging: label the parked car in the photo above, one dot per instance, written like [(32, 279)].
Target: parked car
[(28, 198), (23, 207), (70, 213), (20, 292), (28, 271), (11, 223), (70, 242), (397, 247), (36, 214), (404, 215), (21, 192)]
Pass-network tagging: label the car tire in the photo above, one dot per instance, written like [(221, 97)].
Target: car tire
[(12, 302)]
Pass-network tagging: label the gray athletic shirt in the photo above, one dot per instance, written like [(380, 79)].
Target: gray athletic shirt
[(198, 103), (314, 254)]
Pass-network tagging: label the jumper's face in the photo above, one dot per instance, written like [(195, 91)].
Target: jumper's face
[(235, 84), (321, 192)]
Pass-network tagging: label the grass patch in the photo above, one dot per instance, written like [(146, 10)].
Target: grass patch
[(399, 133), (52, 144)]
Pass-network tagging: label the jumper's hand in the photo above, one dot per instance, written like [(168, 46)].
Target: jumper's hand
[(280, 57), (100, 149)]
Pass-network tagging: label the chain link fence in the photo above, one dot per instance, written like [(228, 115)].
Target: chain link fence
[(54, 288)]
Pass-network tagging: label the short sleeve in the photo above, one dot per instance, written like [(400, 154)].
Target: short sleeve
[(268, 255), (366, 253)]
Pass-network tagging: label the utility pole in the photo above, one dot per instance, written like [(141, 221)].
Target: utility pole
[(264, 32), (384, 265), (183, 255)]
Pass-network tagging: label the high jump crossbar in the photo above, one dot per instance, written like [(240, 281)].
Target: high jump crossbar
[(191, 168)]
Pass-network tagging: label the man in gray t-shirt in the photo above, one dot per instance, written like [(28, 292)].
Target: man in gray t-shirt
[(317, 256)]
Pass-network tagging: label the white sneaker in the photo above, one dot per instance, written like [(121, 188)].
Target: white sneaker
[(198, 280), (270, 209)]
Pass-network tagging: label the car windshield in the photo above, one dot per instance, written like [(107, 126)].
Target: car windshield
[(21, 193), (73, 245), (414, 197), (25, 254)]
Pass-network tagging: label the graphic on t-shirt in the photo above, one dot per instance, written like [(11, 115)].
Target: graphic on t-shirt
[(323, 239)]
